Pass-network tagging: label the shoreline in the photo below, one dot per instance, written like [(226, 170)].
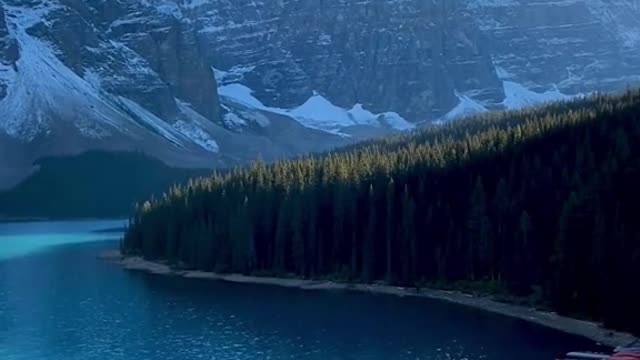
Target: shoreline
[(588, 329)]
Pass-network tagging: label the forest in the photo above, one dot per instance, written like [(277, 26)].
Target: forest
[(65, 187), (539, 202)]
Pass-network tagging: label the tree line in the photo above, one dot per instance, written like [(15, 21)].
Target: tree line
[(65, 187), (538, 201)]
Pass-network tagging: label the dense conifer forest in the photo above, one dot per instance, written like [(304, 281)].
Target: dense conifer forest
[(542, 201), (94, 184)]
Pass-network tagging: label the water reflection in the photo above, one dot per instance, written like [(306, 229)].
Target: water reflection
[(63, 303)]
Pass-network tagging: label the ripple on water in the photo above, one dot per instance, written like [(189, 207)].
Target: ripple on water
[(63, 304)]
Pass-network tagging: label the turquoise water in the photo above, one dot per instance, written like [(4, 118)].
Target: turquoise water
[(58, 302), (17, 239)]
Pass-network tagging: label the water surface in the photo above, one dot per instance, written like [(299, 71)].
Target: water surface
[(58, 302)]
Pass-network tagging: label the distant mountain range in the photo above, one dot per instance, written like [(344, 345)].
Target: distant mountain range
[(217, 83)]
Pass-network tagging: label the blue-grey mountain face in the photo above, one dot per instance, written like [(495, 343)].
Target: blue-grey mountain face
[(217, 82)]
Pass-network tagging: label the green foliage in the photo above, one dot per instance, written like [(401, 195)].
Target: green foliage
[(538, 204)]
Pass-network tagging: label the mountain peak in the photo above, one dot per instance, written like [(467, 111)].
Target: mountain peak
[(220, 82)]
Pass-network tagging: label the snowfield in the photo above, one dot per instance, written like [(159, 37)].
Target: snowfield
[(316, 113)]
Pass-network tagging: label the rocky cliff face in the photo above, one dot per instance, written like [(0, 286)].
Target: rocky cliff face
[(575, 46), (422, 58), (217, 82), (386, 55), (123, 75)]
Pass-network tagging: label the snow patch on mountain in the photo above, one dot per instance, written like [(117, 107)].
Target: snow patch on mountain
[(239, 115), (256, 117), (466, 107), (390, 119), (40, 87), (233, 75), (134, 63), (625, 23), (187, 129), (316, 113), (148, 120), (395, 121), (93, 78), (503, 74), (233, 121), (242, 95), (192, 125), (319, 113), (198, 135), (517, 96), (191, 4), (491, 3), (28, 16), (42, 92), (169, 8)]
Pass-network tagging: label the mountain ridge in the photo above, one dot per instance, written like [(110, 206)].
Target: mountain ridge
[(154, 75), (537, 203)]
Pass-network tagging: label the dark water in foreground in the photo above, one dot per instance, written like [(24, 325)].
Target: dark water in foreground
[(61, 303)]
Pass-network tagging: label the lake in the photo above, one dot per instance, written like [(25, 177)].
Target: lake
[(58, 302)]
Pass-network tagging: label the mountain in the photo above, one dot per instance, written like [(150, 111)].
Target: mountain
[(79, 75), (538, 204), (422, 58), (65, 187), (216, 83)]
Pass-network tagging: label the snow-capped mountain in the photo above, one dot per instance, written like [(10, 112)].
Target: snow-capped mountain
[(421, 59), (217, 82)]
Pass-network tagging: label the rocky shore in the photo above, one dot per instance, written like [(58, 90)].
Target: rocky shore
[(588, 329)]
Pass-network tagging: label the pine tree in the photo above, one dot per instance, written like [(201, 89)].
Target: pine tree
[(408, 237), (476, 227), (539, 197), (368, 248), (297, 239), (390, 229), (281, 235)]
